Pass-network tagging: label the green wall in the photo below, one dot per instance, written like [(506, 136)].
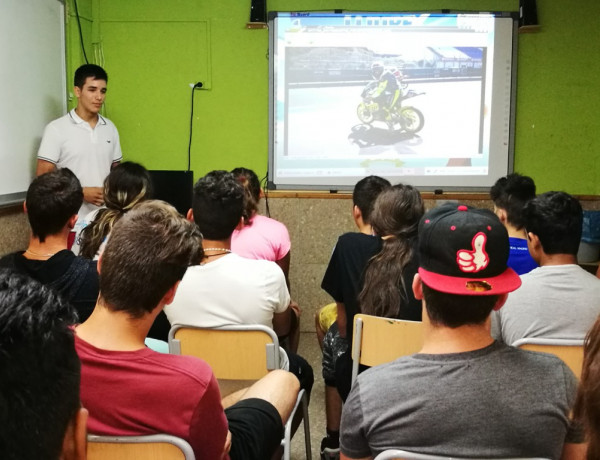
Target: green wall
[(153, 49)]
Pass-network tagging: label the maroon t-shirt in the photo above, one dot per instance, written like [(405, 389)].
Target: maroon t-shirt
[(133, 393)]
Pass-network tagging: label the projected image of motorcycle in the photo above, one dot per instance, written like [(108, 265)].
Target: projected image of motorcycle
[(398, 117)]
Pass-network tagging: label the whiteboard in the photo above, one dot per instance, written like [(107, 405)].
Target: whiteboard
[(32, 86)]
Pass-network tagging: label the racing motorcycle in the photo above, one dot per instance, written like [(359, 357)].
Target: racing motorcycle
[(410, 119)]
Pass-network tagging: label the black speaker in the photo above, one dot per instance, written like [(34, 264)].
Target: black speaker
[(174, 187), (528, 13), (258, 11)]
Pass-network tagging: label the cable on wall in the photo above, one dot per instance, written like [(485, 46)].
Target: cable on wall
[(263, 185), (189, 158), (80, 33)]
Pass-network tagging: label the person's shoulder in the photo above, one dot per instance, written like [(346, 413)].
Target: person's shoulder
[(179, 366), (257, 266), (353, 238), (190, 366), (267, 220), (9, 260), (64, 119), (535, 362)]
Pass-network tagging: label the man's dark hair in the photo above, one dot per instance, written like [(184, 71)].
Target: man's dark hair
[(39, 369), (51, 200), (557, 219), (511, 193), (218, 204), (366, 192), (149, 250), (453, 310), (89, 70)]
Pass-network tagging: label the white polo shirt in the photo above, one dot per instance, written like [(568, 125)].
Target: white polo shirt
[(70, 142)]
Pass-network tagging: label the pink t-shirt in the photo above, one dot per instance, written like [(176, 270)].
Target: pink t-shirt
[(263, 239), (133, 393)]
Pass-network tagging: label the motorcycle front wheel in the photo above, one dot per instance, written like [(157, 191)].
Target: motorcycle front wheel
[(411, 120), (364, 114)]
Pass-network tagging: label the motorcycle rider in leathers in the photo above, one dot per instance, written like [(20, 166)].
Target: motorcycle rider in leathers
[(387, 92)]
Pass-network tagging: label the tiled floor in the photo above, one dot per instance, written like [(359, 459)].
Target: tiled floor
[(309, 350)]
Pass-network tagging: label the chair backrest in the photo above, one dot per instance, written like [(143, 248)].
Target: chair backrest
[(237, 352), (153, 447), (381, 340), (395, 454), (569, 350)]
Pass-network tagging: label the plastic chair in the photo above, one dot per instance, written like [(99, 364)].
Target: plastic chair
[(395, 454), (153, 447), (380, 340), (239, 353), (569, 350)]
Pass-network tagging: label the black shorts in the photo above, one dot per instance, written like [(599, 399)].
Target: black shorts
[(256, 429)]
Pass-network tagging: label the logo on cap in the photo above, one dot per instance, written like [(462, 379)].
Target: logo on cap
[(475, 260)]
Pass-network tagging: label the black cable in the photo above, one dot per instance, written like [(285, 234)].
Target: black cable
[(264, 184), (80, 33), (191, 125), (194, 88)]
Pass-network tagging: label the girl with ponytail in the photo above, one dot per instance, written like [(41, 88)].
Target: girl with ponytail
[(125, 186), (387, 281)]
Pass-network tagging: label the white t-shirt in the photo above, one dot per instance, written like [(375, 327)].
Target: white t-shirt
[(70, 142), (79, 226), (230, 290), (554, 302)]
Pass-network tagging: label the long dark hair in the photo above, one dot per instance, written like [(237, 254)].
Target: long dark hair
[(125, 186), (251, 183), (395, 218), (587, 404)]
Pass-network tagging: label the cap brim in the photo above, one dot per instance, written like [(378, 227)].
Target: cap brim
[(507, 281)]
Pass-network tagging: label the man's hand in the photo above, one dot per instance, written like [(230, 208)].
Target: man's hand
[(295, 309), (94, 195), (227, 446)]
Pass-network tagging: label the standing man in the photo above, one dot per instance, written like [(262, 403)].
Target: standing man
[(83, 140)]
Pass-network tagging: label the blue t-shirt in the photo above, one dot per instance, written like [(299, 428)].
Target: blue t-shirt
[(519, 258)]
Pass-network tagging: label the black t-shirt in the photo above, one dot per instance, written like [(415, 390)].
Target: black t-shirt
[(75, 278), (344, 275), (343, 278)]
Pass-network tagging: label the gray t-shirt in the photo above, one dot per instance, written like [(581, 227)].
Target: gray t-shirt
[(556, 301), (498, 401)]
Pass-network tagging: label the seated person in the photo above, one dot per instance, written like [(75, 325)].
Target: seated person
[(263, 238), (387, 279), (587, 404), (40, 412), (559, 299), (509, 195), (342, 280), (260, 237), (226, 288), (463, 394), (51, 205), (127, 184), (148, 252)]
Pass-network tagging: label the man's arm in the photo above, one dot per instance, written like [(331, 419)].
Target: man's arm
[(284, 264), (343, 457), (282, 322), (44, 167), (573, 451), (209, 440), (341, 319)]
